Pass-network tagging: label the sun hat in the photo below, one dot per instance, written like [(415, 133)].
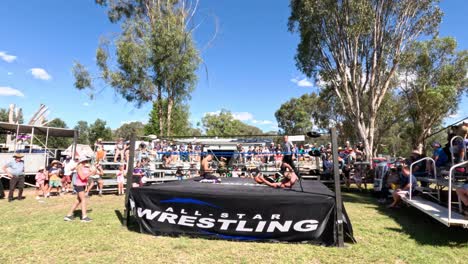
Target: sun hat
[(55, 162), (18, 155), (85, 158), (41, 169), (436, 144)]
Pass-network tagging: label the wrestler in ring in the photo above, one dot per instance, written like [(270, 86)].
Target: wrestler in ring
[(285, 178), (206, 172)]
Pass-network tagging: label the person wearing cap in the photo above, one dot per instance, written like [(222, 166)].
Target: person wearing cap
[(84, 171), (15, 170), (438, 155), (40, 182)]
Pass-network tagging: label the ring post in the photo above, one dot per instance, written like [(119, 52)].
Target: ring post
[(336, 174), (130, 166)]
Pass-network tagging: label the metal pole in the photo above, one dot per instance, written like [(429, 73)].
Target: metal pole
[(46, 148), (32, 141), (339, 207), (16, 137), (75, 138), (130, 167)]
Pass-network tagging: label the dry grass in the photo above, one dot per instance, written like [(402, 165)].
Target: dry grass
[(35, 232)]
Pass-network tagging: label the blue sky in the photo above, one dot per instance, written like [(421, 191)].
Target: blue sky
[(248, 69)]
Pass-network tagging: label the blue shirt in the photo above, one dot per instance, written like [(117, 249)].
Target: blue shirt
[(406, 180), (442, 157), (15, 168)]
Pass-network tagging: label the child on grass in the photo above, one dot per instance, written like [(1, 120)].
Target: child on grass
[(40, 183), (120, 179)]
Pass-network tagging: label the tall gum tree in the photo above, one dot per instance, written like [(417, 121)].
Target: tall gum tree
[(432, 78), (156, 58), (354, 47)]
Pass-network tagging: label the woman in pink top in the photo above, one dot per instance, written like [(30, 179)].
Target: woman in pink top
[(84, 171)]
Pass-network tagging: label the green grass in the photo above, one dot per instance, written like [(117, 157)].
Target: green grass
[(33, 232)]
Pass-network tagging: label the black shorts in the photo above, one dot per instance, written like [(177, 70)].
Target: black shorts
[(79, 188)]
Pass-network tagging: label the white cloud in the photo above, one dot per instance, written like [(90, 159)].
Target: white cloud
[(8, 91), (262, 122), (302, 83), (85, 104), (9, 73), (243, 116), (212, 113), (40, 73), (7, 57)]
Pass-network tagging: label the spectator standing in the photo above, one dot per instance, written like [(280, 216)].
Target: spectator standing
[(69, 166), (54, 177), (15, 170), (40, 183), (120, 179)]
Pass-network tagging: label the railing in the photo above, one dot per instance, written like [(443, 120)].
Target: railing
[(451, 148), (411, 173), (450, 187)]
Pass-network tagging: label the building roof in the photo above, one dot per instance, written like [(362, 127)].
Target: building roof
[(7, 128)]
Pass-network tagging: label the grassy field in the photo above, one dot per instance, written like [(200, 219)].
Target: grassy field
[(34, 232)]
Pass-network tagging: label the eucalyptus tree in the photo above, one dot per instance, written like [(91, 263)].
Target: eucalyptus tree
[(224, 124), (155, 56), (432, 78), (354, 47)]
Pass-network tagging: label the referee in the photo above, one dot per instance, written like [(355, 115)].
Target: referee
[(287, 153)]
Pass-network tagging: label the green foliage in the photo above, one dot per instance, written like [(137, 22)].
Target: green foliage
[(156, 58), (384, 236), (57, 142), (126, 130), (224, 124), (180, 125), (354, 47), (3, 115), (99, 129), (82, 76), (432, 79), (83, 132), (295, 115)]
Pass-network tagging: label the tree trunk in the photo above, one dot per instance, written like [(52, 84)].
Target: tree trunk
[(160, 111), (170, 104)]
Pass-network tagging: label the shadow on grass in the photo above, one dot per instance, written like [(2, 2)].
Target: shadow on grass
[(422, 228), (131, 225), (79, 213)]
